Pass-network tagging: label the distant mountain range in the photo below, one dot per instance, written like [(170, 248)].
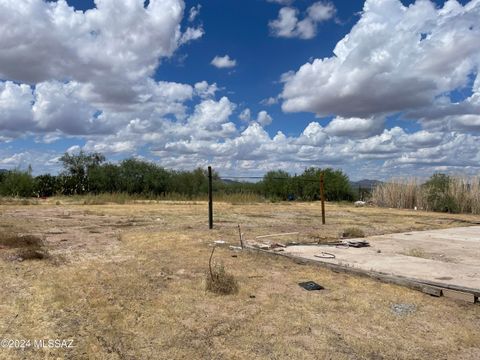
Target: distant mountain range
[(365, 184)]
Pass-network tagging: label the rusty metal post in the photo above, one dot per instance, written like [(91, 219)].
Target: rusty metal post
[(322, 196), (210, 199)]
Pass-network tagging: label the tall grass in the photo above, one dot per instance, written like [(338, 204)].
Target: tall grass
[(461, 195), (466, 194)]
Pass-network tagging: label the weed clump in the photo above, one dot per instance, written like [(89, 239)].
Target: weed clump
[(353, 232), (221, 282), (416, 252), (14, 241), (27, 247), (31, 254)]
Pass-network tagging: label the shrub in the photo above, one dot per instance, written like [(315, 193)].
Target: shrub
[(32, 254), (28, 247), (17, 183), (45, 185), (438, 196), (12, 240), (218, 280), (221, 282)]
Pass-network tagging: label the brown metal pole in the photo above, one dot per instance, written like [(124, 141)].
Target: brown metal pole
[(322, 197), (210, 199)]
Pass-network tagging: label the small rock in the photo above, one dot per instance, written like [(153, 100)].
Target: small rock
[(403, 309)]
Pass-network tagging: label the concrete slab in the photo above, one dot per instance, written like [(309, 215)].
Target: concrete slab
[(450, 257)]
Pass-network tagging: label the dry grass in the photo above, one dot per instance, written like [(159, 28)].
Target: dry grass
[(25, 247), (124, 198), (353, 232), (144, 297), (221, 282), (13, 240), (399, 194), (218, 280), (466, 193), (18, 201), (415, 252), (408, 194)]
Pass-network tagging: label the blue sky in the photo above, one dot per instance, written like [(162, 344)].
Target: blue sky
[(398, 97)]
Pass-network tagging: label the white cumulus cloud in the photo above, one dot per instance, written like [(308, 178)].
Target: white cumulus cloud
[(395, 59), (223, 62), (289, 25)]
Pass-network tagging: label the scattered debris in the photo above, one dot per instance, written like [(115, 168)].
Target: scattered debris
[(252, 296), (311, 286), (356, 244), (403, 309), (220, 242), (276, 235), (325, 255), (235, 248), (360, 203), (345, 244)]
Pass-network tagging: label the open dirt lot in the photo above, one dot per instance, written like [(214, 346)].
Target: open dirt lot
[(128, 282)]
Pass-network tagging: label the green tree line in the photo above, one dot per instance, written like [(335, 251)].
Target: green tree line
[(89, 173)]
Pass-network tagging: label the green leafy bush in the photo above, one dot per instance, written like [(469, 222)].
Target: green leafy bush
[(438, 196), (17, 183)]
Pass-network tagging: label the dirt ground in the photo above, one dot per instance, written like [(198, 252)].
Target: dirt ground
[(128, 282)]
